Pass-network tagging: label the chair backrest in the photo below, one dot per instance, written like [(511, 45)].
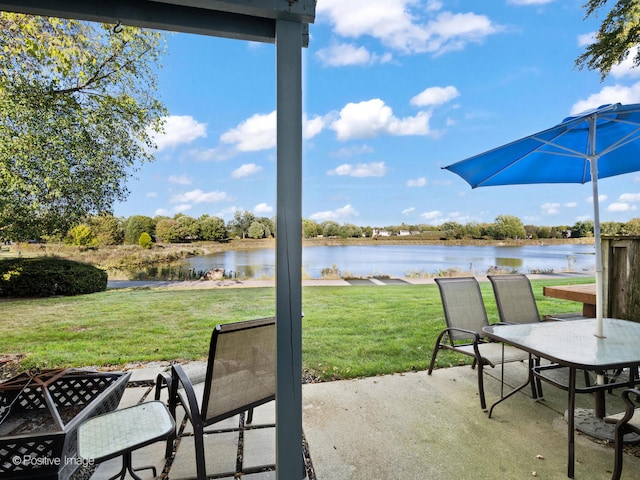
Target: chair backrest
[(463, 305), (514, 298), (241, 368)]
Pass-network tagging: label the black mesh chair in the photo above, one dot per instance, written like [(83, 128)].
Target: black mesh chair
[(465, 316), (240, 375), (514, 298)]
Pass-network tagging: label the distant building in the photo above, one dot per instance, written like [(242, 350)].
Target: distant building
[(380, 233)]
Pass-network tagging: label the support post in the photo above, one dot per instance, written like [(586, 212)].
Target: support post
[(289, 464)]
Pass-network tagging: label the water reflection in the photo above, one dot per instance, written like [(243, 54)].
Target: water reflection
[(509, 262), (403, 260)]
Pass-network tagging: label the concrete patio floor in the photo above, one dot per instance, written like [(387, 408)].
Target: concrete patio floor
[(405, 426)]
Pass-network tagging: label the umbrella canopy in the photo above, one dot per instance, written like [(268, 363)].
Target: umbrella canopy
[(596, 144)]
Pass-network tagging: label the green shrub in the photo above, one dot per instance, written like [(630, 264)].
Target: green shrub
[(145, 240), (47, 276)]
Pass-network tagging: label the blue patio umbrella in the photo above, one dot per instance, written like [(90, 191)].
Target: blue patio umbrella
[(596, 144)]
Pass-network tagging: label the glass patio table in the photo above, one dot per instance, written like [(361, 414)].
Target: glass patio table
[(574, 345)]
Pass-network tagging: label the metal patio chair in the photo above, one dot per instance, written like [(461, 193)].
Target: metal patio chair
[(514, 298), (465, 316), (240, 375), (626, 422)]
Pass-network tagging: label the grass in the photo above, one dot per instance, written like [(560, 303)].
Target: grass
[(347, 331)]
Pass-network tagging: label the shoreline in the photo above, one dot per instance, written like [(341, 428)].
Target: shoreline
[(230, 283)]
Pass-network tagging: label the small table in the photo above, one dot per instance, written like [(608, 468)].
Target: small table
[(574, 345), (585, 294), (121, 432)]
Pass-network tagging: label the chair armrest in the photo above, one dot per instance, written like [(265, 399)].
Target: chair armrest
[(179, 377), (163, 380), (631, 404), (631, 407), (472, 334)]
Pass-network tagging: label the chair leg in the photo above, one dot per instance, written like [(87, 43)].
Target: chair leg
[(483, 403), (249, 420), (433, 358), (537, 390), (619, 444), (198, 437)]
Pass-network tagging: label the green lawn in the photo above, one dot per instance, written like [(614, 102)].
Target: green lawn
[(347, 331)]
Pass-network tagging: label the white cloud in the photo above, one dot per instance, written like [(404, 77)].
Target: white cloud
[(626, 67), (339, 214), (529, 2), (262, 208), (587, 39), (601, 198), (246, 170), (313, 126), (210, 154), (629, 197), (435, 96), (180, 179), (344, 54), (161, 212), (609, 94), (550, 208), (418, 182), (406, 25), (151, 194), (620, 207), (372, 118), (181, 208), (374, 169), (258, 132), (409, 210), (179, 129), (431, 215), (571, 204), (255, 133), (198, 196), (349, 152)]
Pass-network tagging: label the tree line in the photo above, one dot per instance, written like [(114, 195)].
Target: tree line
[(105, 229)]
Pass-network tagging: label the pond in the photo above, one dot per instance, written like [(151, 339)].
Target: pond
[(404, 260)]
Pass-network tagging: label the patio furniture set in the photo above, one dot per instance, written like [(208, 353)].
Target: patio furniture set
[(240, 376), (565, 346)]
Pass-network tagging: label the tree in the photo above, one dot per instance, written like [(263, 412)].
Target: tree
[(256, 230), (309, 228), (453, 230), (136, 225), (108, 229), (78, 115), (190, 226), (145, 240), (82, 235), (632, 227), (212, 228), (241, 222), (330, 228), (618, 33), (269, 226), (508, 226), (582, 229), (169, 230)]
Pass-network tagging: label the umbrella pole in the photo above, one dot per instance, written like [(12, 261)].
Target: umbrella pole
[(598, 246), (593, 164)]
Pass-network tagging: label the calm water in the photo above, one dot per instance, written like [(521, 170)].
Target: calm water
[(405, 260)]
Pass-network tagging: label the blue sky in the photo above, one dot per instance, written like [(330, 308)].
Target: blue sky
[(393, 91)]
